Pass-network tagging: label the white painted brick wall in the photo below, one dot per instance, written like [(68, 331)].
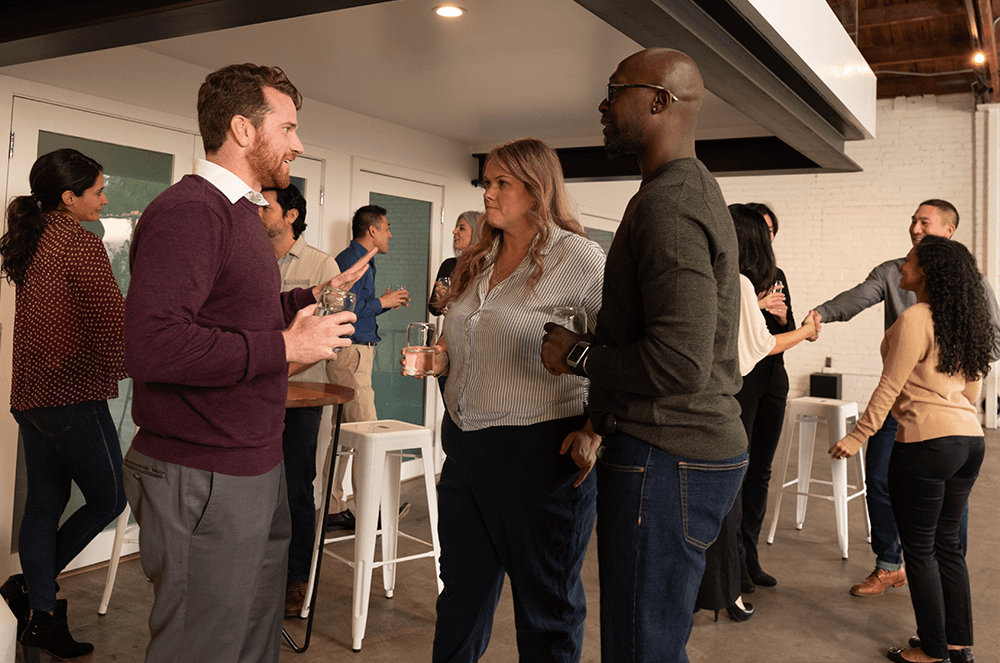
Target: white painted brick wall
[(836, 227)]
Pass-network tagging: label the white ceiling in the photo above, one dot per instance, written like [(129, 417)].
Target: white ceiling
[(506, 69)]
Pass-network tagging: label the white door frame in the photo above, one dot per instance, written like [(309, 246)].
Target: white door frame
[(29, 115)]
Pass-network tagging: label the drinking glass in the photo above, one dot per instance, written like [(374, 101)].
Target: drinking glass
[(335, 300), (418, 355), (573, 318)]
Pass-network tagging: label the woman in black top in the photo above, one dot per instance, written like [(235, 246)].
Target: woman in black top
[(465, 234), (762, 398)]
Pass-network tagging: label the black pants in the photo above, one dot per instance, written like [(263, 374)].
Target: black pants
[(763, 398), (929, 485), (508, 507)]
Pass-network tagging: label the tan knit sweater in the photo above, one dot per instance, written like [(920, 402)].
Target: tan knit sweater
[(926, 403)]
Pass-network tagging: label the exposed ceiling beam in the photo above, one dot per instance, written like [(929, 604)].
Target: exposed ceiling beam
[(878, 56), (919, 10), (910, 86), (44, 29), (989, 44)]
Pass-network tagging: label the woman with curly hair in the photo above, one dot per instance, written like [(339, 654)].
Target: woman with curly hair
[(515, 495), (934, 358)]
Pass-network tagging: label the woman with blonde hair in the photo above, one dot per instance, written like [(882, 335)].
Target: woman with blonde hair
[(512, 500), (465, 234)]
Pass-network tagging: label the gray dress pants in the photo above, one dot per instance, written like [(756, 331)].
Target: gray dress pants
[(216, 548)]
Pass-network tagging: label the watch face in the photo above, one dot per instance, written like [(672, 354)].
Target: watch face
[(575, 355)]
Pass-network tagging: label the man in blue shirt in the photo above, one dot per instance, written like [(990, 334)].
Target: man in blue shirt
[(353, 367)]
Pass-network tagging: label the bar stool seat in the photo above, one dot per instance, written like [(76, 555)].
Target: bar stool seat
[(379, 448), (840, 417)]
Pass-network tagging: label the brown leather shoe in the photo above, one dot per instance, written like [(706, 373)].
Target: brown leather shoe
[(295, 597), (879, 581)]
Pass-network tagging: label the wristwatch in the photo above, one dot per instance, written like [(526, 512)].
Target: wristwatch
[(577, 357)]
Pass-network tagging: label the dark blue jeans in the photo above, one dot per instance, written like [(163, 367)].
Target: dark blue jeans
[(885, 536), (656, 515), (62, 444), (298, 443), (508, 507), (930, 483)]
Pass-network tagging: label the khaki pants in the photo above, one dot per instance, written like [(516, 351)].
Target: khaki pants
[(352, 368)]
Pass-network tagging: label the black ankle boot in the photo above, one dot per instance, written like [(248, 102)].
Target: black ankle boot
[(15, 595), (50, 633)]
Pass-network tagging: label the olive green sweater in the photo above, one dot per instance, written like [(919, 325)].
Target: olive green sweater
[(665, 360)]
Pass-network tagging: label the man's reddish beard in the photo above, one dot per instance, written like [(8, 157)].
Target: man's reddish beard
[(266, 166)]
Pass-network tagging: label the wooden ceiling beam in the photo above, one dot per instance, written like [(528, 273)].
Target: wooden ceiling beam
[(913, 86), (988, 42), (919, 10), (909, 52)]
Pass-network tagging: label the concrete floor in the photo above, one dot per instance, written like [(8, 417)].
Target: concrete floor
[(810, 616)]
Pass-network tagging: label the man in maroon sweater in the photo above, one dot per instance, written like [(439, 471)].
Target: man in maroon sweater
[(208, 343)]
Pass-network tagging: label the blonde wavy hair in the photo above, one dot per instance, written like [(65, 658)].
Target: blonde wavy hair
[(535, 165)]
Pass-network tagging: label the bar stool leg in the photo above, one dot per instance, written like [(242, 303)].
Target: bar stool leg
[(786, 440), (807, 440), (430, 485), (838, 471), (116, 553), (366, 499), (390, 520), (864, 497)]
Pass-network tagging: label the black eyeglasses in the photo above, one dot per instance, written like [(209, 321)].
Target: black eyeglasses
[(613, 87)]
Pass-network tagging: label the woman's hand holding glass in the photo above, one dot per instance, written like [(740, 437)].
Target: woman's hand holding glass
[(439, 363)]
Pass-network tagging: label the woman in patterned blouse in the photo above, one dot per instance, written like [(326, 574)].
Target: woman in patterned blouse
[(68, 359)]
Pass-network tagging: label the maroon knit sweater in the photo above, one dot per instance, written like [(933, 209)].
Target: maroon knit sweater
[(203, 321)]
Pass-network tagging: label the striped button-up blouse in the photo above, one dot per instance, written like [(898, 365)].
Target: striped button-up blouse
[(496, 377)]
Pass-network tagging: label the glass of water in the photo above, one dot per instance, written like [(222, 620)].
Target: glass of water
[(418, 355), (573, 318), (335, 300)]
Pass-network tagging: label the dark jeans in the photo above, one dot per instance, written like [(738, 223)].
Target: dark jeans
[(298, 443), (930, 483), (657, 513), (762, 399), (885, 537), (62, 444), (508, 507)]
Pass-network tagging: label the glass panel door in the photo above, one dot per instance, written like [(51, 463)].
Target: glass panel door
[(414, 213), (142, 162)]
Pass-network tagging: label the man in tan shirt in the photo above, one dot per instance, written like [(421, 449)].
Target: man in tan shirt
[(301, 266)]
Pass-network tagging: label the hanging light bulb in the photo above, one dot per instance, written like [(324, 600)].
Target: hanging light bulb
[(979, 57)]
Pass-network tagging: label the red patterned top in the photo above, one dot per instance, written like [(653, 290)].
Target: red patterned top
[(68, 321)]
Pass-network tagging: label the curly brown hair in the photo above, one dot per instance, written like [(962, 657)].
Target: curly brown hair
[(962, 325), (238, 90)]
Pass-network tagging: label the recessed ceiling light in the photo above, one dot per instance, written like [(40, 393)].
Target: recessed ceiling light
[(979, 58), (449, 11)]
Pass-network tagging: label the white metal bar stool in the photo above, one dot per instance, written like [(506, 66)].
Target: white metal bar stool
[(379, 448), (840, 417)]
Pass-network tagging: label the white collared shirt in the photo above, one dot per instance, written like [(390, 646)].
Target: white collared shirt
[(231, 186)]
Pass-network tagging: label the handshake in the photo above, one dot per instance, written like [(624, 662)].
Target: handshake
[(814, 321)]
